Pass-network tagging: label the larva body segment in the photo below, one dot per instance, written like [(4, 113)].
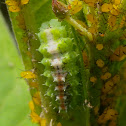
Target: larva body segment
[(60, 61)]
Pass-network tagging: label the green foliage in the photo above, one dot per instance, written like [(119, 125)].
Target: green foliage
[(99, 43), (13, 91)]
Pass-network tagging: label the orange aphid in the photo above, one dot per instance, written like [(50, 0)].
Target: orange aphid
[(90, 2), (93, 29), (28, 75), (21, 24), (69, 7), (99, 46), (43, 122), (106, 7), (108, 114), (117, 2), (119, 54), (107, 87), (24, 2), (31, 105), (100, 63), (91, 18), (105, 69), (114, 11), (33, 84), (112, 20), (106, 76), (93, 79), (116, 79), (11, 2), (14, 8), (59, 124), (37, 99), (35, 117)]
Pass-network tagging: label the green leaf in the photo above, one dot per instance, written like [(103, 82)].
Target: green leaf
[(14, 92)]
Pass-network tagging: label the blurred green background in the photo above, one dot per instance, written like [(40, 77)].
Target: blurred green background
[(14, 93)]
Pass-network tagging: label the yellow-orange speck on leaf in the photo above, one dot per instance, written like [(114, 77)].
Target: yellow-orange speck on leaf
[(106, 7), (93, 79), (99, 46), (14, 8), (35, 117), (59, 124), (31, 105), (43, 122), (24, 2), (100, 63)]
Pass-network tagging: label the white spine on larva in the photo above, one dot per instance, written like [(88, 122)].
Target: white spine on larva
[(58, 97), (57, 62), (52, 45), (57, 79)]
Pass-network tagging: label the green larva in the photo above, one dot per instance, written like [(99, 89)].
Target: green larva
[(61, 59)]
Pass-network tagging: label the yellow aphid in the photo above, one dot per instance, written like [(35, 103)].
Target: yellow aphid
[(31, 105), (106, 7), (91, 18), (75, 6), (33, 84), (11, 2), (119, 54), (107, 87), (115, 6), (28, 75), (59, 124), (37, 99), (14, 8), (90, 2), (100, 63), (35, 117), (122, 23), (93, 29), (24, 2), (110, 114), (106, 76), (116, 79), (112, 20), (43, 122), (114, 12), (117, 2), (99, 46), (93, 79), (105, 69)]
